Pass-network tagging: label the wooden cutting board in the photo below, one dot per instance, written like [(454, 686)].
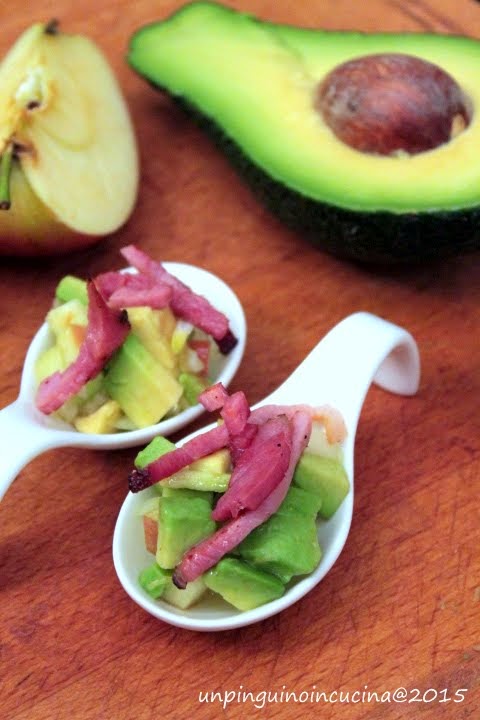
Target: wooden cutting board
[(401, 607)]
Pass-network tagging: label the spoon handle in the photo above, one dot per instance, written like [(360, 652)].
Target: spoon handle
[(360, 350), (20, 442)]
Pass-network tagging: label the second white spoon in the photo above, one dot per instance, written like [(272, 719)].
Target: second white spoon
[(339, 370)]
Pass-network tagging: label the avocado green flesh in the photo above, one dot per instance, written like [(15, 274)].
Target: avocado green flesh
[(241, 585), (157, 582), (378, 238), (284, 546), (287, 543), (156, 448), (182, 522), (154, 580), (257, 81), (72, 288), (325, 478), (141, 385), (192, 386)]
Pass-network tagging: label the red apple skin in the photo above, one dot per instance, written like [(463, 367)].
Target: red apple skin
[(150, 529), (388, 103), (30, 229)]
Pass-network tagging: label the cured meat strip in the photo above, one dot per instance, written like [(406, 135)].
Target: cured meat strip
[(258, 471), (240, 442), (235, 413), (122, 290), (106, 331), (331, 418), (185, 303), (173, 461), (234, 408), (207, 553), (214, 397)]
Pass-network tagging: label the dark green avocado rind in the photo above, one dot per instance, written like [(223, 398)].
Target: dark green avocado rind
[(381, 238), (374, 237)]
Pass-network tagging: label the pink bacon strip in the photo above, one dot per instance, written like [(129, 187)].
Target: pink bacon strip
[(106, 331), (214, 397), (123, 290), (184, 302), (175, 460), (335, 428), (258, 471), (207, 553), (234, 409)]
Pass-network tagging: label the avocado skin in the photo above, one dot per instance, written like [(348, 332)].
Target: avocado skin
[(379, 238), (375, 238)]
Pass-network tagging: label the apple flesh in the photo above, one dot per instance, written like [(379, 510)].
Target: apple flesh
[(74, 174)]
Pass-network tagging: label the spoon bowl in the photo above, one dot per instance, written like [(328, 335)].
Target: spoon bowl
[(338, 372), (25, 432)]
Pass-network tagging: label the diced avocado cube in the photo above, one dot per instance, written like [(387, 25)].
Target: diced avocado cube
[(143, 387), (156, 448), (149, 508), (72, 288), (187, 597), (287, 543), (216, 463), (209, 474), (197, 480), (187, 493), (326, 478), (182, 523), (192, 386), (154, 580), (157, 582), (241, 585), (300, 501)]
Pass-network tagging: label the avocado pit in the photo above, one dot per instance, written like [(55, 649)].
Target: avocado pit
[(392, 103)]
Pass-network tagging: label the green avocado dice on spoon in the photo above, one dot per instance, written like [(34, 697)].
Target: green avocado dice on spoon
[(365, 143), (284, 546)]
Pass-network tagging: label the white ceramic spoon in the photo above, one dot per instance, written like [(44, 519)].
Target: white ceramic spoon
[(339, 370), (25, 432)]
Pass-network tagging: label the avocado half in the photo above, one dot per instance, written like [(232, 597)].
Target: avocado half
[(253, 84)]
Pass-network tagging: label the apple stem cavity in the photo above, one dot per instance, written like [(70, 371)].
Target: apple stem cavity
[(51, 28), (5, 170)]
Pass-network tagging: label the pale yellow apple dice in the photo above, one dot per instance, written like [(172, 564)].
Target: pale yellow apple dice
[(60, 101), (68, 323), (102, 421), (154, 329)]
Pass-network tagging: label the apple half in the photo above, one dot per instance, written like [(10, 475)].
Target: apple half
[(68, 155)]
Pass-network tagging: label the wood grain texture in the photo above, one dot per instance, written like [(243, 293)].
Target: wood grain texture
[(401, 607)]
